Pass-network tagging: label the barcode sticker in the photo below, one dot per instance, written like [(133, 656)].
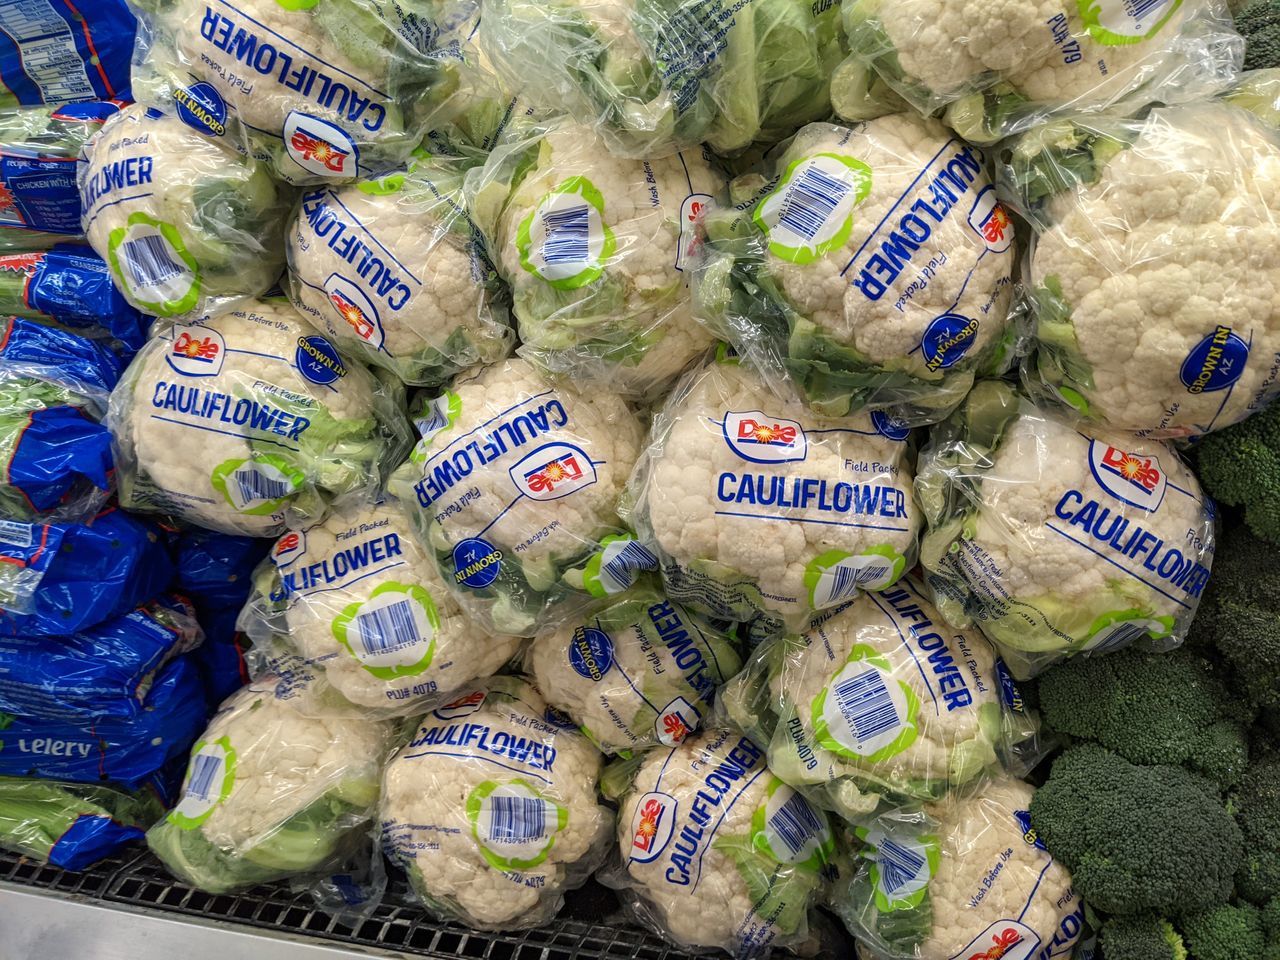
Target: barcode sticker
[(864, 710), (255, 483), (393, 630), (901, 866), (17, 534), (621, 561), (565, 240), (209, 780), (514, 825), (793, 829), (1122, 633), (1124, 22), (842, 580), (810, 213), (151, 268)]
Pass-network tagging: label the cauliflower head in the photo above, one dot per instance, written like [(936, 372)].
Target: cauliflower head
[(491, 808), (514, 482), (249, 422), (322, 92), (270, 793), (597, 250), (874, 268), (393, 269), (715, 851), (760, 506), (1062, 542), (1157, 279), (640, 671), (188, 228), (1004, 67), (359, 600), (654, 78), (963, 877), (880, 698)]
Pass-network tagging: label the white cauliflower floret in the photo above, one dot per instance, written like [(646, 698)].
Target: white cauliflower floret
[(515, 480), (246, 421), (270, 793), (990, 881), (391, 268), (716, 851), (880, 697), (597, 251), (1168, 268), (188, 228), (1066, 542), (323, 91), (892, 259), (491, 808), (761, 506), (360, 600), (636, 672)]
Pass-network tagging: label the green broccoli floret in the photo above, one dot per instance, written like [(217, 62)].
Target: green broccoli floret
[(1240, 615), (1227, 932), (1256, 804), (1271, 928), (1259, 24), (1143, 936), (1150, 708), (1240, 466), (1137, 839)]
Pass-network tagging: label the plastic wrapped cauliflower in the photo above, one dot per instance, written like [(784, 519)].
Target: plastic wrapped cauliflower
[(188, 228), (1003, 68), (636, 672), (393, 269), (879, 699), (515, 486), (248, 422), (874, 268), (760, 507), (270, 794), (656, 78), (491, 808), (966, 877), (1152, 269), (597, 250), (357, 601), (715, 851), (1059, 542), (321, 91)]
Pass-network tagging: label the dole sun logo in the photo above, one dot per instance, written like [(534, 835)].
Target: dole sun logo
[(991, 221), (464, 706), (203, 350), (314, 149), (1142, 472), (553, 471), (565, 469), (1001, 943), (288, 548), (1132, 478), (674, 728), (352, 314), (646, 834), (760, 438)]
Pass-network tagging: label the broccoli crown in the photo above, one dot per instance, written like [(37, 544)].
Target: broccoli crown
[(1150, 708), (1143, 936), (1226, 932), (1137, 838), (1256, 803), (1271, 928), (1259, 23), (1240, 465)]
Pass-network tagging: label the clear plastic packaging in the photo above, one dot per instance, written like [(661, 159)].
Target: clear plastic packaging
[(758, 506), (654, 78), (319, 91), (395, 272), (188, 228), (635, 671), (251, 422), (715, 852), (1058, 542), (514, 486), (999, 70), (1150, 275), (271, 794), (357, 604), (879, 702), (965, 878), (598, 251), (491, 808), (870, 265)]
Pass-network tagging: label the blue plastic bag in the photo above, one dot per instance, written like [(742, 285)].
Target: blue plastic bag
[(57, 578), (221, 656), (55, 461), (83, 367), (106, 671), (216, 569), (127, 750), (61, 51)]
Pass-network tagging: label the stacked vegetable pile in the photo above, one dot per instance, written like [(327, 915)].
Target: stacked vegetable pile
[(770, 457)]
